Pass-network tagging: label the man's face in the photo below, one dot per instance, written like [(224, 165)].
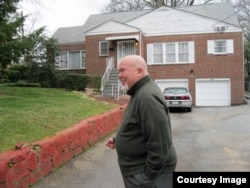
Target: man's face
[(128, 75)]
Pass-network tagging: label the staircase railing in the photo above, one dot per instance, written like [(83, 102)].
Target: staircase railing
[(109, 67), (117, 90)]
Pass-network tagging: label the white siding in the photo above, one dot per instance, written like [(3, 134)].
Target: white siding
[(112, 27), (174, 21)]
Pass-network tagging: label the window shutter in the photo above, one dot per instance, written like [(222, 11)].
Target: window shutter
[(230, 46), (191, 52), (150, 59), (210, 46)]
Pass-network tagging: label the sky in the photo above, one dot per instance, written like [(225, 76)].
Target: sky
[(58, 13)]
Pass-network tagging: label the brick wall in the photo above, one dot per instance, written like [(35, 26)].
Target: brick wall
[(206, 65), (72, 47), (28, 164), (97, 64)]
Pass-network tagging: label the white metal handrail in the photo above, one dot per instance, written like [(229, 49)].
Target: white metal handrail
[(109, 67), (117, 91)]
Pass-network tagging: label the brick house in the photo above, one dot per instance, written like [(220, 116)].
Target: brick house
[(200, 47)]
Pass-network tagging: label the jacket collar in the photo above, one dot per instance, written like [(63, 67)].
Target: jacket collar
[(138, 84)]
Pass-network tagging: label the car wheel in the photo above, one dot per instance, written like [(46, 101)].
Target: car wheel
[(189, 109)]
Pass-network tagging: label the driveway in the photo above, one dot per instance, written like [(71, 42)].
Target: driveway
[(213, 138), (207, 139)]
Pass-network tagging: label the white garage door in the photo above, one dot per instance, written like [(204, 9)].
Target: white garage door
[(163, 83), (213, 92)]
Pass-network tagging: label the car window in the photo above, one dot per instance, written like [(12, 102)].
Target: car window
[(175, 90)]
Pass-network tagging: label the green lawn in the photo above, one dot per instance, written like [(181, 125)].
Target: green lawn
[(29, 114)]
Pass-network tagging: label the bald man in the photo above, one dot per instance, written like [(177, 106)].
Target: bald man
[(146, 154)]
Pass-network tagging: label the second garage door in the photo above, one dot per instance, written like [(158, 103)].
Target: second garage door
[(213, 92)]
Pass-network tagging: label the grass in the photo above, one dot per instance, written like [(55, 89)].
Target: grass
[(29, 114)]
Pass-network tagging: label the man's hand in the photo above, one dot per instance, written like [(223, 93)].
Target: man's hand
[(110, 143)]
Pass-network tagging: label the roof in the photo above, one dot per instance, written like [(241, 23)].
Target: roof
[(122, 17), (69, 35), (223, 12)]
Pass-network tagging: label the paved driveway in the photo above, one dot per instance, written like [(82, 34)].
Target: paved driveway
[(213, 139), (207, 139)]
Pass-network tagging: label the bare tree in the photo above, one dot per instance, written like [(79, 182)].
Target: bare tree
[(243, 12), (125, 5), (31, 9), (128, 5), (168, 3)]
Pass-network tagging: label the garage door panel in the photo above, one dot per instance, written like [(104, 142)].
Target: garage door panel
[(214, 92), (163, 83)]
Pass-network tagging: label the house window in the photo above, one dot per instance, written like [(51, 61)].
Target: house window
[(170, 53), (158, 53), (220, 46), (71, 60), (74, 60), (103, 48)]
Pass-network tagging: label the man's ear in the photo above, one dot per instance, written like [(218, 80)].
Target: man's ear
[(140, 71)]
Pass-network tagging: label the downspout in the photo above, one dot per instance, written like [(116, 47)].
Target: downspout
[(140, 43)]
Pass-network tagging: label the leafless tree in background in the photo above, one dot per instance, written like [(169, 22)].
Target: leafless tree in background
[(34, 16), (128, 5), (243, 12)]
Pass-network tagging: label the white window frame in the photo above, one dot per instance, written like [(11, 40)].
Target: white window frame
[(103, 48), (151, 53), (59, 59), (229, 48)]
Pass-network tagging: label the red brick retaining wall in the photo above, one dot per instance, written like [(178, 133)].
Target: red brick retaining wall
[(24, 167)]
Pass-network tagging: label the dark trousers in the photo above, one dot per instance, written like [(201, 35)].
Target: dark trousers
[(141, 181)]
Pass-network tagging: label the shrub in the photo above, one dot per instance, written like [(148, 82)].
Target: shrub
[(13, 75), (21, 69), (45, 75), (76, 82), (94, 82)]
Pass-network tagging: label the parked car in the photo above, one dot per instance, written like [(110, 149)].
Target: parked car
[(178, 97)]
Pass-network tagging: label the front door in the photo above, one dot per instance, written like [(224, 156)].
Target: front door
[(124, 48)]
